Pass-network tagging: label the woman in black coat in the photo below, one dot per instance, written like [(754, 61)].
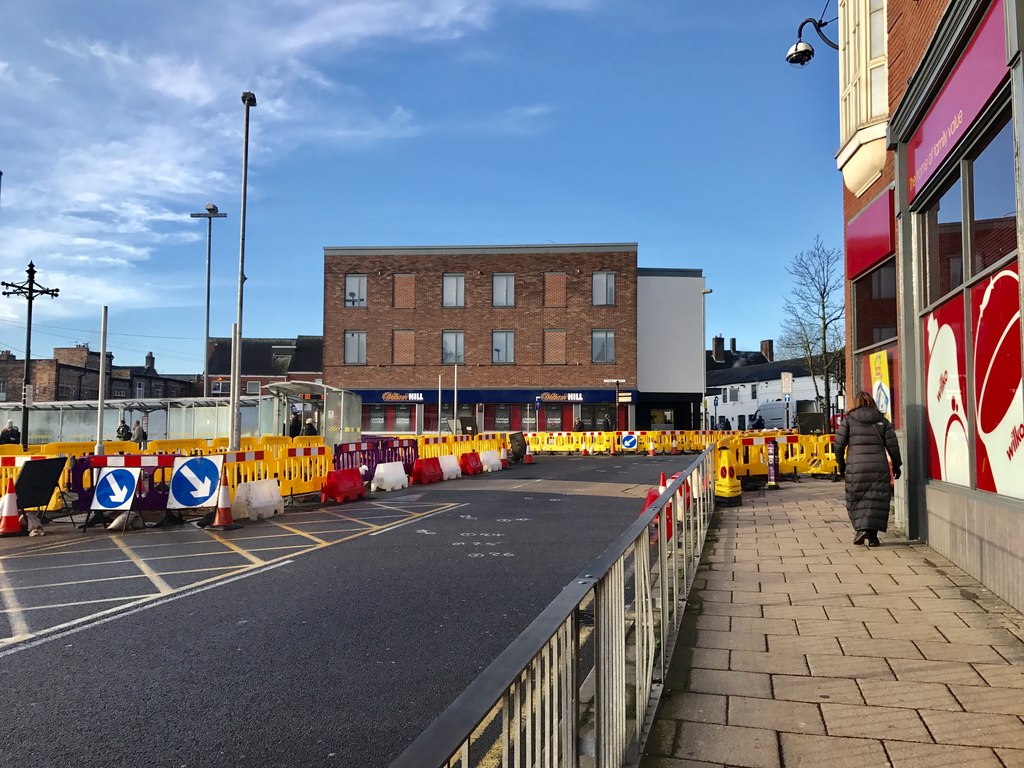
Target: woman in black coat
[(863, 441)]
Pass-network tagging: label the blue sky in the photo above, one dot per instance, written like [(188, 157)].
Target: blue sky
[(397, 122)]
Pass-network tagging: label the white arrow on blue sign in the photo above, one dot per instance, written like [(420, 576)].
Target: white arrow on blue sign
[(115, 488), (195, 481), (629, 442)]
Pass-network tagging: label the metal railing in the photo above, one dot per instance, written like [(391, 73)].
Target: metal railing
[(580, 685)]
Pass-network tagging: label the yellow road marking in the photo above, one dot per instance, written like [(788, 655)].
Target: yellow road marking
[(86, 602), (352, 519), (162, 586), (297, 532), (19, 627), (234, 548)]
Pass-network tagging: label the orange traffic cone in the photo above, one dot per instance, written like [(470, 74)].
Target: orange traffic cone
[(10, 522), (614, 440), (650, 449), (223, 521), (528, 458), (504, 459), (584, 452)]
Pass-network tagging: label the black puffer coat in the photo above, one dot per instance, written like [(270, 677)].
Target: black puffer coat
[(862, 442)]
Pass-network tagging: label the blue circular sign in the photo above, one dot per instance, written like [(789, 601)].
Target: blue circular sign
[(195, 482), (116, 488), (629, 442)]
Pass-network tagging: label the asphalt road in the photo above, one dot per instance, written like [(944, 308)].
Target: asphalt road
[(336, 657)]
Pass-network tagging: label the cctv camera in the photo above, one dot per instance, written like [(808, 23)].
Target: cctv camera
[(800, 54)]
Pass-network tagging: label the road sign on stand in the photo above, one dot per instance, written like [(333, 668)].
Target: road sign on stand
[(629, 442), (787, 383), (115, 489), (195, 481)]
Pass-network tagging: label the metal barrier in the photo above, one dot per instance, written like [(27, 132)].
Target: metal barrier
[(537, 704)]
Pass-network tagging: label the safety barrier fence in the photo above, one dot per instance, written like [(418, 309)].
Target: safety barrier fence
[(540, 702)]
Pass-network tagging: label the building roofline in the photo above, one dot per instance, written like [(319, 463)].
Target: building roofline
[(443, 250), (659, 272)]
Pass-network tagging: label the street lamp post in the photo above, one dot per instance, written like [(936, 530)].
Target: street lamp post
[(211, 213), (29, 289), (704, 356), (248, 100), (615, 407)]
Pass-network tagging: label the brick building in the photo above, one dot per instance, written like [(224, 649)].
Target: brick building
[(265, 361), (537, 336), (931, 120), (73, 374)]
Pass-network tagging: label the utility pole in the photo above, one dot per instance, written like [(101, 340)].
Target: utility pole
[(29, 289)]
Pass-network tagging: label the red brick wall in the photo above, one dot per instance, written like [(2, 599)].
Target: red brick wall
[(529, 318)]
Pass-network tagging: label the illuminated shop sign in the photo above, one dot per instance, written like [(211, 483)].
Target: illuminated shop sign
[(561, 397), (402, 397)]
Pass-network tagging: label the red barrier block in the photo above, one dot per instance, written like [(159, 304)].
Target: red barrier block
[(342, 485), (470, 463), (426, 471)]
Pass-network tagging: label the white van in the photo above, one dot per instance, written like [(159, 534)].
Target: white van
[(774, 412)]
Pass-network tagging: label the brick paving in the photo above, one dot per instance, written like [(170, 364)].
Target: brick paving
[(799, 648)]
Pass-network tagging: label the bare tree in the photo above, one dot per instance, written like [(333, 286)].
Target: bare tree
[(814, 327)]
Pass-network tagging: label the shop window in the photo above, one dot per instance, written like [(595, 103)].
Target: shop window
[(944, 243), (504, 346), (996, 373), (554, 347), (945, 388), (452, 347), (453, 292), (994, 202), (405, 291), (355, 290), (604, 289), (403, 347), (864, 99), (879, 375), (355, 347), (874, 306), (554, 289), (603, 347), (503, 290)]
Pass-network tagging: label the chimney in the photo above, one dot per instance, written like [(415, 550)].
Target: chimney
[(732, 345), (718, 349), (768, 350), (150, 361)]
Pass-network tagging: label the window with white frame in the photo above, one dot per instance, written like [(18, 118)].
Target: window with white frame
[(504, 346), (140, 389), (355, 290), (453, 290), (604, 289), (252, 387), (3, 389), (220, 387), (863, 67), (452, 347), (603, 346), (355, 347), (504, 290)]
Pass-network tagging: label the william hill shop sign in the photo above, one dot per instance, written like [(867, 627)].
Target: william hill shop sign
[(402, 397), (530, 396)]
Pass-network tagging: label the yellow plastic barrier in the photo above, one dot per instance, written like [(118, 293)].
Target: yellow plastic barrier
[(190, 447), (220, 444), (728, 490), (306, 441), (302, 469), (825, 460), (11, 450), (275, 444), (249, 466)]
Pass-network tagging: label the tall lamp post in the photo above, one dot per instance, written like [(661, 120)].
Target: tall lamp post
[(29, 289), (704, 357), (211, 213), (248, 100), (615, 408)]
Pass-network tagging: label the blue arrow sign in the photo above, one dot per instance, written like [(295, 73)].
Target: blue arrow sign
[(716, 402), (629, 442), (115, 488), (194, 482)]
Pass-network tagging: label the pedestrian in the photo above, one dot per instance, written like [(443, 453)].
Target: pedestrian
[(10, 435), (758, 422), (295, 426), (606, 426), (865, 444), (124, 432), (578, 426), (310, 429), (138, 433)]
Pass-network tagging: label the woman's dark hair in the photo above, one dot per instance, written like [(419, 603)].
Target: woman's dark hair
[(864, 400)]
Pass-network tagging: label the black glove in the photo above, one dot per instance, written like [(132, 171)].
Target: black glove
[(896, 473)]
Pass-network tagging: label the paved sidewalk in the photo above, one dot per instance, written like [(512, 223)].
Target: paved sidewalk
[(799, 648)]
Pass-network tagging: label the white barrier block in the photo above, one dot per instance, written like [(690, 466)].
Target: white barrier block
[(491, 461), (260, 498), (389, 477), (450, 467)]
